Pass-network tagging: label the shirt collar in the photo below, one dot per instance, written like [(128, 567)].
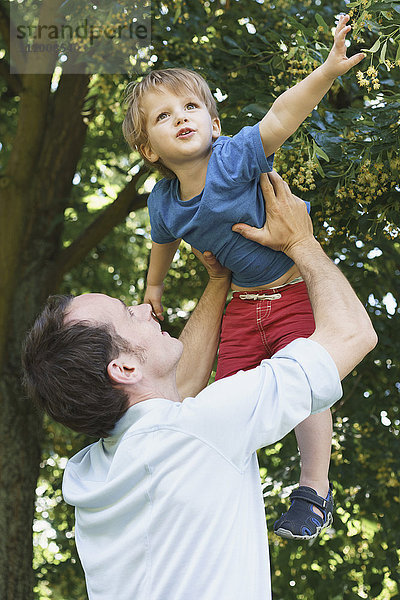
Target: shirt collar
[(132, 416)]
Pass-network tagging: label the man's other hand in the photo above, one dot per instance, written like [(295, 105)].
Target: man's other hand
[(214, 268)]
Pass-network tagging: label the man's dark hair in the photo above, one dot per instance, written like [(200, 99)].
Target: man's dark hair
[(65, 370)]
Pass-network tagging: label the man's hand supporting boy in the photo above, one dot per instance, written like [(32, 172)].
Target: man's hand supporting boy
[(291, 108), (342, 324)]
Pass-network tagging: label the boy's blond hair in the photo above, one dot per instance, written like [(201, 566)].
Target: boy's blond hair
[(178, 81)]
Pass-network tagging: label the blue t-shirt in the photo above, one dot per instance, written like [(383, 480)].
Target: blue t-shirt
[(231, 195)]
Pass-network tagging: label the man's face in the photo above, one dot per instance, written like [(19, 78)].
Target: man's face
[(179, 127), (135, 324)]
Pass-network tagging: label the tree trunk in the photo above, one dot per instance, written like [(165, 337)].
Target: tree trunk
[(31, 267), (35, 209), (20, 427)]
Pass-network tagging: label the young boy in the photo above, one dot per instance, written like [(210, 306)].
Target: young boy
[(211, 184)]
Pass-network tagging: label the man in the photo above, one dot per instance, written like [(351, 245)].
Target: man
[(169, 503)]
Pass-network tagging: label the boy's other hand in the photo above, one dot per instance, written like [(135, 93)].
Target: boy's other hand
[(337, 62), (153, 297), (287, 223), (214, 268)]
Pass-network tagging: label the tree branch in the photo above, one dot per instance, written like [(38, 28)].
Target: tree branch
[(65, 136), (127, 200)]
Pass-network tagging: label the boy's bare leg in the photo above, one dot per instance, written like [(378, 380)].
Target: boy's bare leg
[(314, 438)]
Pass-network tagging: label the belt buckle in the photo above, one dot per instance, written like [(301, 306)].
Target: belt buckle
[(260, 296)]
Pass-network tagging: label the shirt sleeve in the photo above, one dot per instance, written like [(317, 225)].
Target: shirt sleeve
[(156, 204), (242, 156), (252, 409)]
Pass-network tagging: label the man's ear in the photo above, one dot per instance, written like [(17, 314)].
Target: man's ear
[(148, 153), (124, 370), (216, 128)]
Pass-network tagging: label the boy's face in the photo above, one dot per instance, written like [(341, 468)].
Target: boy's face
[(179, 127)]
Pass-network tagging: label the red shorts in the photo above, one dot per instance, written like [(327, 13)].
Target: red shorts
[(254, 329)]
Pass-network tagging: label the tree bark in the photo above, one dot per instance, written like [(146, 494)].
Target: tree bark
[(20, 427)]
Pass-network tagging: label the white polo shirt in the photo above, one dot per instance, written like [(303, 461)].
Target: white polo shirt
[(170, 506)]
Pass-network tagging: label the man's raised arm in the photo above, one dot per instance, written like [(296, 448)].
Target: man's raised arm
[(200, 335), (343, 326)]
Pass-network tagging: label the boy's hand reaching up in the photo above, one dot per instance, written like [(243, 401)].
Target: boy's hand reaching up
[(153, 296), (337, 62), (293, 106)]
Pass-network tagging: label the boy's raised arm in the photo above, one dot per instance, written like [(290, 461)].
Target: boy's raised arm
[(292, 107)]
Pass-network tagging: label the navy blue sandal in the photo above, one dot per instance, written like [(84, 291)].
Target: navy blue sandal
[(300, 522)]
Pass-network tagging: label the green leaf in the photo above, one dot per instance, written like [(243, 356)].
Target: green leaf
[(381, 6), (383, 53), (319, 152), (178, 12), (263, 39), (230, 41), (319, 168), (375, 47), (256, 110), (142, 179), (297, 25), (322, 22), (397, 53)]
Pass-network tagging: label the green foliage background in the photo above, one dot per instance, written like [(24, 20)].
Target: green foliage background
[(345, 160)]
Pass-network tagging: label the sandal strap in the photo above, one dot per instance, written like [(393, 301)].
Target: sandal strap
[(309, 495)]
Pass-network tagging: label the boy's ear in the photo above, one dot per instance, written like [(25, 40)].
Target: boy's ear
[(216, 128), (124, 370), (148, 153)]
